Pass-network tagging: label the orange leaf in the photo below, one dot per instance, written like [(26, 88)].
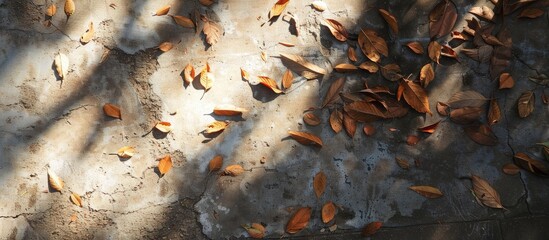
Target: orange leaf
[(371, 228), (306, 138), (351, 54), (371, 67), (415, 96), (278, 8), (233, 170), (216, 126), (164, 127), (263, 57), (506, 81), (337, 29), (286, 44), (55, 181), (212, 30), (415, 47), (434, 50), (256, 230), (510, 169), (311, 119), (345, 67), (69, 8), (206, 2), (270, 83), (333, 92), (51, 10), (126, 152), (372, 45), (216, 163), (183, 21), (369, 130), (162, 11), (494, 112), (532, 165), (390, 19), (244, 74), (319, 183), (228, 110), (336, 120), (189, 73), (412, 140), (75, 198), (287, 79), (299, 220), (328, 212), (165, 164), (427, 74), (429, 128), (88, 35), (349, 124), (427, 191), (165, 46), (112, 110)]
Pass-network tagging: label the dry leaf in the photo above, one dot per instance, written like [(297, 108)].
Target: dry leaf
[(368, 129), (351, 54), (492, 40), (244, 74), (233, 170), (112, 110), (427, 191), (88, 35), (162, 11), (415, 47), (390, 19), (443, 109), (216, 163), (61, 63), (402, 163), (302, 66), (466, 99), (510, 169), (345, 67), (465, 115), (427, 74), (69, 8), (256, 230), (299, 220), (311, 119), (412, 140), (328, 212), (481, 134), (372, 45), (189, 73), (506, 81), (526, 104), (447, 51), (319, 184), (278, 8), (532, 165), (126, 152), (286, 44), (263, 57), (349, 124), (270, 83), (319, 6), (165, 46), (287, 79), (531, 13), (228, 110), (434, 50), (206, 2), (337, 29), (306, 138), (165, 164), (429, 128), (336, 120), (391, 72), (370, 67), (164, 127), (216, 126), (494, 112), (183, 21), (75, 198), (371, 228), (55, 181), (485, 193), (415, 96), (206, 78), (333, 92), (483, 12), (442, 18), (51, 10), (501, 56)]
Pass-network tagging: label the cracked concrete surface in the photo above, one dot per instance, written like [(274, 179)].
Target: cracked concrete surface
[(60, 124)]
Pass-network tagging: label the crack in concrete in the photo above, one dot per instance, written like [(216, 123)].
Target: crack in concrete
[(526, 64), (24, 214)]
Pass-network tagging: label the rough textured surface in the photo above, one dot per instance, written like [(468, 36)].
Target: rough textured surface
[(46, 122)]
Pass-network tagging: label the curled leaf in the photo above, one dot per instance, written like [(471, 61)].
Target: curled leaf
[(165, 46), (216, 163), (427, 191), (61, 63), (216, 126), (328, 212), (270, 83), (228, 110), (345, 67), (126, 152), (427, 74), (371, 228), (485, 193), (311, 119), (76, 200), (526, 104), (302, 66), (233, 170), (112, 110), (164, 127), (165, 164), (370, 67), (299, 220), (415, 47), (319, 183), (88, 35), (278, 8), (244, 74), (390, 19), (429, 128), (183, 21), (189, 73), (55, 181), (306, 138), (337, 29), (162, 11), (351, 54)]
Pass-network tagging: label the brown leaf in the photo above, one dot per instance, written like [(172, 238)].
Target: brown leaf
[(531, 13), (402, 163), (311, 119), (429, 128), (465, 115), (466, 99), (164, 127), (233, 170), (319, 184), (412, 140), (75, 198), (189, 73), (162, 11), (506, 81), (391, 72), (61, 63), (481, 134), (370, 67), (206, 78), (427, 191), (415, 96), (390, 19), (427, 74), (270, 83), (337, 30), (349, 124), (112, 110), (492, 40), (328, 212), (287, 79), (183, 21), (485, 193), (443, 109), (415, 47), (510, 169), (51, 10), (256, 230), (306, 138), (351, 54), (55, 181), (442, 18), (126, 152), (371, 228), (434, 50), (333, 92), (501, 56), (228, 110), (286, 44), (165, 164), (244, 74), (216, 126), (278, 8), (206, 2), (215, 163), (372, 45), (336, 120), (165, 46), (526, 104), (69, 8), (447, 51), (483, 12), (532, 165), (88, 35), (299, 220), (369, 129), (263, 57), (212, 30), (494, 112), (345, 67), (302, 66)]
